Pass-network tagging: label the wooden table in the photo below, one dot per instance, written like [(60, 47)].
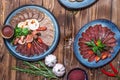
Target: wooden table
[(70, 22)]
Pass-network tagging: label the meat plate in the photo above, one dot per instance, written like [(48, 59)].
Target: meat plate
[(104, 25), (48, 33), (76, 5)]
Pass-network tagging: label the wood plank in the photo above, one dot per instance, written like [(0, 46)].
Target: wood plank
[(70, 23)]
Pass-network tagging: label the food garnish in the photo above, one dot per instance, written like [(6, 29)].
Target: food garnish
[(20, 32), (111, 74), (49, 71), (40, 70), (59, 70), (50, 60), (96, 46)]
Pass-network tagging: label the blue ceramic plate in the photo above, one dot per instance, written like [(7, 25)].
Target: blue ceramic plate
[(76, 5), (51, 48), (93, 64)]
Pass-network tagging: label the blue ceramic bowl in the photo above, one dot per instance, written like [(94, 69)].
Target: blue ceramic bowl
[(76, 5), (51, 48), (76, 47)]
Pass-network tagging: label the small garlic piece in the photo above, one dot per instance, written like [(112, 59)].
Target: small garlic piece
[(59, 70), (50, 60)]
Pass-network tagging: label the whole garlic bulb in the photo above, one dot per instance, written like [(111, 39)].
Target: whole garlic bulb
[(50, 60), (59, 70)]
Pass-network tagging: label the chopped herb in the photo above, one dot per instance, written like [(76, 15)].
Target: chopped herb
[(20, 31), (97, 46)]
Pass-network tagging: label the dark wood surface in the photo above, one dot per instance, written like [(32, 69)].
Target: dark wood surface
[(70, 22)]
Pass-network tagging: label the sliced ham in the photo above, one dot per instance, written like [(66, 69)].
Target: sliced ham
[(87, 56), (111, 45), (32, 50), (18, 48), (35, 48), (39, 48), (92, 58), (112, 40)]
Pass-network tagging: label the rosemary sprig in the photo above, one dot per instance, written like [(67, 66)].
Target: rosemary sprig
[(40, 70)]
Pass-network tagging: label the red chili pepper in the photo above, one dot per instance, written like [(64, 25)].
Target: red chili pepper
[(40, 40), (113, 68), (42, 29), (108, 73)]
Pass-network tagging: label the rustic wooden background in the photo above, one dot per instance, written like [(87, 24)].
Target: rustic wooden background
[(70, 22)]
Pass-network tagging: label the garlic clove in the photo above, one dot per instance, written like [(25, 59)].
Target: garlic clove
[(50, 60), (59, 70)]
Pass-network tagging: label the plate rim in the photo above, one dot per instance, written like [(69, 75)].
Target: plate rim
[(73, 7), (52, 47), (75, 39)]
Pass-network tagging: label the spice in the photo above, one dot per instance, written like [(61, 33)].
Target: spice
[(59, 70), (50, 60), (7, 31), (108, 73), (76, 74), (115, 74), (113, 68)]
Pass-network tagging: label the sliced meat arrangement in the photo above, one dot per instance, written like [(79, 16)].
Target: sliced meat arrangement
[(97, 43), (49, 33), (33, 32), (27, 14), (32, 48)]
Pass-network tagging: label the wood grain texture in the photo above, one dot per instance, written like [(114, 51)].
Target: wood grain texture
[(70, 22)]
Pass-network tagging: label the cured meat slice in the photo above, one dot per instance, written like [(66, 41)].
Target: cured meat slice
[(32, 50), (22, 51), (43, 46), (35, 48), (18, 48), (112, 40), (39, 48), (86, 37), (111, 35), (92, 58), (21, 17), (25, 49), (100, 30), (83, 52), (96, 32), (29, 12), (41, 16), (84, 49), (82, 40), (103, 32), (25, 14), (111, 45), (87, 56), (28, 51)]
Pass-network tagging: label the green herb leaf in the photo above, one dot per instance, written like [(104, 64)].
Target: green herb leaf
[(97, 47), (20, 31), (40, 70), (25, 31), (91, 43)]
